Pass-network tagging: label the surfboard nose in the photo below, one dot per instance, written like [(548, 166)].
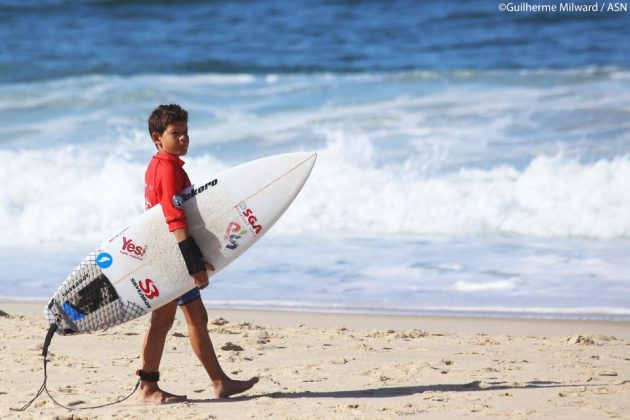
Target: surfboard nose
[(296, 169), (306, 161), (295, 159), (252, 177)]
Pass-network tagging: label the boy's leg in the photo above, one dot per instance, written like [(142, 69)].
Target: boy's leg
[(152, 349), (197, 319)]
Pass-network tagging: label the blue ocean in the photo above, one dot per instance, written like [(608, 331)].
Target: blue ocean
[(472, 161)]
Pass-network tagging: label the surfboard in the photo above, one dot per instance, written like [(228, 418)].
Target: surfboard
[(140, 268)]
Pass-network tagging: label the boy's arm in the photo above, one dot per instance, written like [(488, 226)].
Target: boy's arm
[(176, 220), (200, 277), (180, 235)]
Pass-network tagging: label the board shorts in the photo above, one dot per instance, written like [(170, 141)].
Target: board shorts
[(189, 297)]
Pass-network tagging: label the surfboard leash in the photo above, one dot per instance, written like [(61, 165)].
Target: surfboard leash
[(44, 388)]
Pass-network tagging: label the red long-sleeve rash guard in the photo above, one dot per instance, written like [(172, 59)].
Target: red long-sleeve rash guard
[(165, 179)]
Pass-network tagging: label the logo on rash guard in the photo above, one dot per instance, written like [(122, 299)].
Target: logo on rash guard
[(178, 202)]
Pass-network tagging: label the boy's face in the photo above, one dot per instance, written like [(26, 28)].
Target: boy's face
[(174, 140)]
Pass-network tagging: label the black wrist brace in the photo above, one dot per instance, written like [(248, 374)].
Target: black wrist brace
[(192, 255)]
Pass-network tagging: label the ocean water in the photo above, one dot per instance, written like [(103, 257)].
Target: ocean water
[(471, 162)]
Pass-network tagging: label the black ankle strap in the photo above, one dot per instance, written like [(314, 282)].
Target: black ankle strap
[(148, 376)]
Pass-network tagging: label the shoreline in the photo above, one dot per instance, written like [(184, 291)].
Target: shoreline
[(322, 365), (450, 324), (445, 314)]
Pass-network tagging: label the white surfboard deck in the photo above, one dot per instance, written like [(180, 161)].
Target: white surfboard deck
[(140, 268)]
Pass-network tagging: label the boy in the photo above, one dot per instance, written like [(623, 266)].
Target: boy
[(165, 178)]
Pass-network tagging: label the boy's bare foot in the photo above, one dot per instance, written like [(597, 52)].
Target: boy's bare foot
[(226, 387), (152, 394)]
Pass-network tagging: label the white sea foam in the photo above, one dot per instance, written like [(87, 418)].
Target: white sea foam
[(72, 192), (499, 285), (66, 194), (553, 196)]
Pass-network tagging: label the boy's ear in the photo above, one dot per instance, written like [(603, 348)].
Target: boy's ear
[(156, 139)]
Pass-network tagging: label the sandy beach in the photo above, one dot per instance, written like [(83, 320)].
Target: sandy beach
[(331, 366)]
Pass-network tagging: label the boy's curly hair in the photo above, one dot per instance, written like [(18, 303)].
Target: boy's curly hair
[(163, 115)]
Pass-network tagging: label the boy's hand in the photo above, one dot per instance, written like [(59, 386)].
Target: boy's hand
[(201, 277)]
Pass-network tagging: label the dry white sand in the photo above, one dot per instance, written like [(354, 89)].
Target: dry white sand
[(331, 366)]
